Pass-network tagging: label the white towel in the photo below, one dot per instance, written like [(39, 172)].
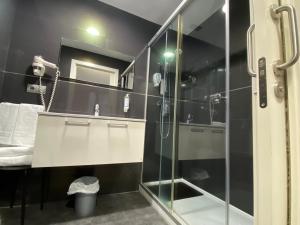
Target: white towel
[(8, 118), (9, 151), (16, 160), (24, 133)]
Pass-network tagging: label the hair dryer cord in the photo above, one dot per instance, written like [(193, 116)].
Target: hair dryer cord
[(52, 94)]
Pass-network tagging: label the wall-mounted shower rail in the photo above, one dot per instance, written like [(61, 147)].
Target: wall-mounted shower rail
[(128, 68), (166, 24), (161, 30)]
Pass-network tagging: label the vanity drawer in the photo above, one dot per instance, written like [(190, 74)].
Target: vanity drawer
[(67, 141)]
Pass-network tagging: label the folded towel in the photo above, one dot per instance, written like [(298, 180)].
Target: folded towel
[(8, 118), (15, 151), (24, 132), (16, 160)]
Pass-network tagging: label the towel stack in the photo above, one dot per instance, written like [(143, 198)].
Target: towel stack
[(17, 133), (8, 118)]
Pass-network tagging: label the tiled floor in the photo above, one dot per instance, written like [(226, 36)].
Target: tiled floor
[(116, 209)]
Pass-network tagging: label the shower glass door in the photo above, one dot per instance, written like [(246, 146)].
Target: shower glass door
[(213, 181), (201, 158), (158, 162), (188, 151)]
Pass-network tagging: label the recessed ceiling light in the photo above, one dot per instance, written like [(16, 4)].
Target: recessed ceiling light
[(93, 31), (168, 54)]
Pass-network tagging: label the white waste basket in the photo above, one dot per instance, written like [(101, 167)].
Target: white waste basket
[(85, 190)]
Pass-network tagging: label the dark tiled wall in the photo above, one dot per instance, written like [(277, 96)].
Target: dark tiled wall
[(84, 97), (35, 27), (241, 157), (120, 31), (40, 24), (112, 178), (74, 98), (7, 12)]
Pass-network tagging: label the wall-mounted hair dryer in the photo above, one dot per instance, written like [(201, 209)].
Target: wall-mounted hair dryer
[(39, 65)]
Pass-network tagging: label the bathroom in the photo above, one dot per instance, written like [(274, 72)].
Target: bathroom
[(148, 112)]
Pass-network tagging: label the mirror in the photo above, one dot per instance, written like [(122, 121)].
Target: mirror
[(87, 63)]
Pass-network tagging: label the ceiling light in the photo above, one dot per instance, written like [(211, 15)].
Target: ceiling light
[(93, 31), (168, 55)]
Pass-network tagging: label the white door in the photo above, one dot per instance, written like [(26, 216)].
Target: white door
[(293, 107), (276, 111), (274, 105)]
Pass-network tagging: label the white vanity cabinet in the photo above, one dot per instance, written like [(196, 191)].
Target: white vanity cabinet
[(70, 140)]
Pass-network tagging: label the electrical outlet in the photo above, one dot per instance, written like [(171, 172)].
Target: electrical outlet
[(35, 88)]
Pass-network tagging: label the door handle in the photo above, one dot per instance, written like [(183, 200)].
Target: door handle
[(250, 60), (276, 14)]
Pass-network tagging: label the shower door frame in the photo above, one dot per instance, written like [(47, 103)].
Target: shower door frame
[(177, 15)]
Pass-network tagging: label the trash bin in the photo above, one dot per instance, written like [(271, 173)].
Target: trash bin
[(85, 190)]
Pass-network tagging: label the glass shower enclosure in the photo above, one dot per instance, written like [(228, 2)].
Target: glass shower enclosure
[(187, 154)]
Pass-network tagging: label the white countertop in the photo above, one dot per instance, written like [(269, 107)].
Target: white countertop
[(90, 116)]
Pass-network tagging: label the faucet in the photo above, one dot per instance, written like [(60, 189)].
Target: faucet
[(97, 110), (189, 118)]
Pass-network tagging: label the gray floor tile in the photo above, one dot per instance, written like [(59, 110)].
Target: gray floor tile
[(116, 209)]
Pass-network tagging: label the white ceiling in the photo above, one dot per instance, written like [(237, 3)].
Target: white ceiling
[(156, 11), (197, 12)]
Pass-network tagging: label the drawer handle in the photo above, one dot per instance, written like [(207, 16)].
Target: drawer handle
[(197, 130), (217, 131), (117, 125), (77, 123)]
